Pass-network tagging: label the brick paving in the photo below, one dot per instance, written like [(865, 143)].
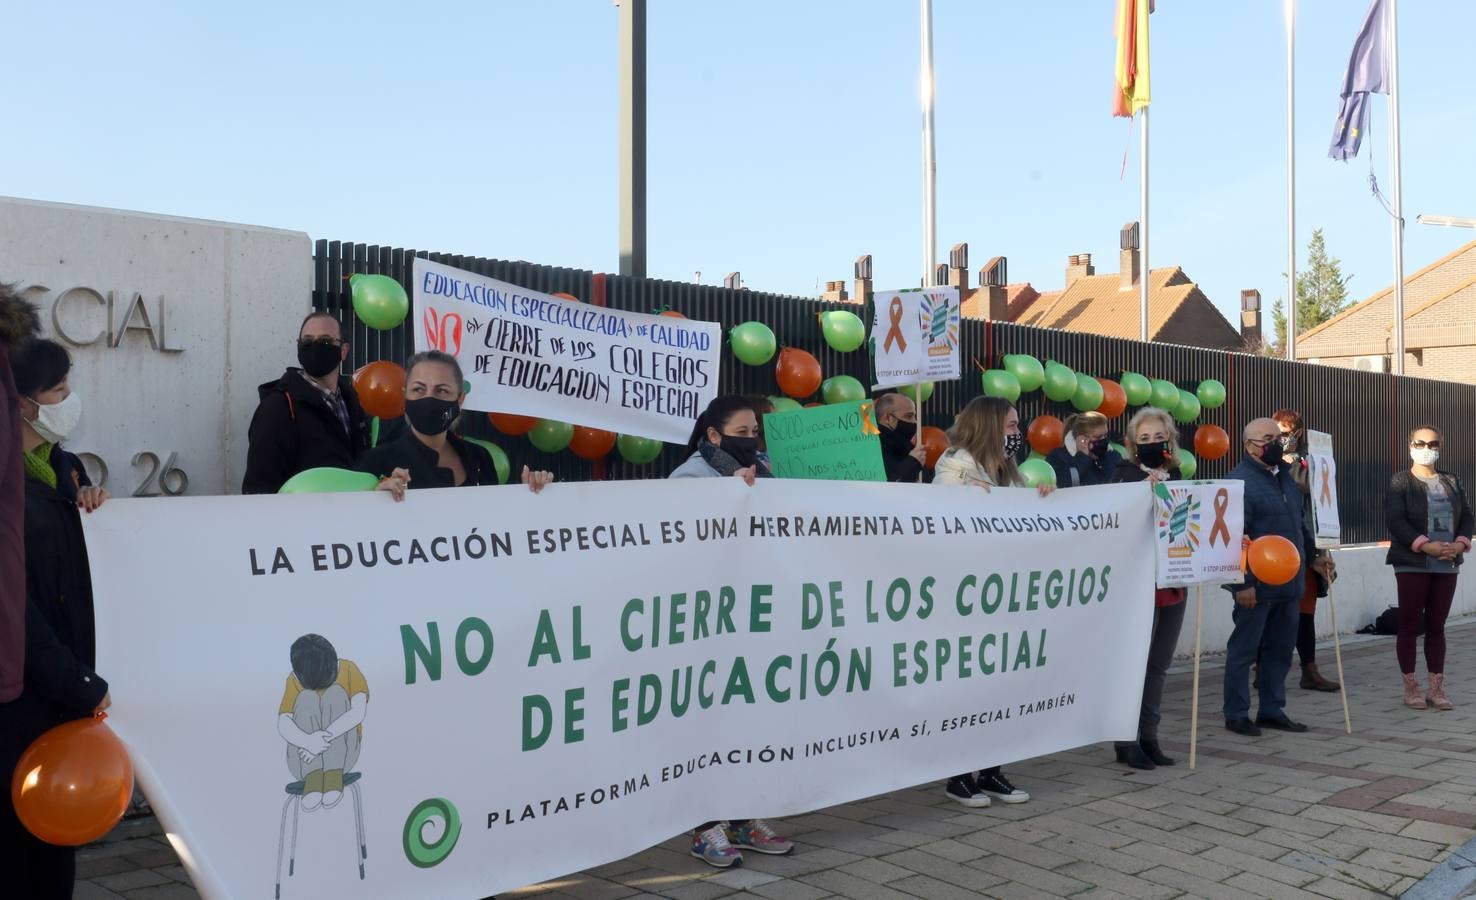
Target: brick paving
[(1321, 814)]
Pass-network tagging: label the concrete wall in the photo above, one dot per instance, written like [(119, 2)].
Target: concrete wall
[(1365, 588), (172, 323)]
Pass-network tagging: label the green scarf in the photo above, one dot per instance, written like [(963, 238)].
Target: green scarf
[(38, 465)]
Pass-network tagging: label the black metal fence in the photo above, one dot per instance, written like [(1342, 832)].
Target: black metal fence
[(1368, 414)]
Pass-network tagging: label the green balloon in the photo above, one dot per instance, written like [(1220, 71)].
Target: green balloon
[(379, 301), (785, 404), (841, 389), (638, 450), (1027, 370), (844, 331), (551, 435), (1188, 465), (499, 458), (1188, 409), (1088, 394), (919, 392), (1136, 388), (1119, 449), (1165, 395), (1211, 394), (1035, 454), (753, 343), (328, 480), (1037, 471), (1000, 383), (1060, 382)]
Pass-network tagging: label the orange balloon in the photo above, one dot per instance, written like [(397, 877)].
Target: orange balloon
[(509, 424), (564, 295), (1114, 401), (1211, 441), (1273, 559), (73, 784), (381, 389), (1046, 433), (591, 443), (797, 372), (672, 313), (935, 441)]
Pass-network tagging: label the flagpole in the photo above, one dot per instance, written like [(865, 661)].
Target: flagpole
[(1143, 215), (1393, 24), (1291, 182), (930, 164)]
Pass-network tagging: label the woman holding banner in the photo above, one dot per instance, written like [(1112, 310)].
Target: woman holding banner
[(1430, 523), (985, 442), (428, 454), (1293, 446), (1152, 446), (724, 442), (59, 684)]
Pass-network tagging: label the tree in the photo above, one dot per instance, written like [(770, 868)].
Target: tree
[(1322, 291)]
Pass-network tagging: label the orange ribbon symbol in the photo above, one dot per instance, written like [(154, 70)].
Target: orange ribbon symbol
[(894, 334), (868, 425), (1220, 529), (1326, 497)]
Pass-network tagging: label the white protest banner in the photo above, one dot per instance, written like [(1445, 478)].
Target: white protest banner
[(1197, 528), (1322, 479), (481, 688), (537, 355), (916, 336)]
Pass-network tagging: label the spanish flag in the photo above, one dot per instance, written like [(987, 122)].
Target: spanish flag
[(1130, 90)]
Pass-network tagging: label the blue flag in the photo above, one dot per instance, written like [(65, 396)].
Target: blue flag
[(1368, 73)]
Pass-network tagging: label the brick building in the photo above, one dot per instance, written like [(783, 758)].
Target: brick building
[(1439, 326)]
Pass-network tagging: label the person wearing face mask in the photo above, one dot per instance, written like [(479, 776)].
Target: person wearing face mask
[(725, 442), (59, 683), (18, 324), (427, 454), (1430, 523), (904, 458), (986, 444), (1087, 457), (1265, 615), (1152, 443), (309, 417)]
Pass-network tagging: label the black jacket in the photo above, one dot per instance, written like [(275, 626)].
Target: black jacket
[(407, 452), (898, 461), (1088, 471), (1407, 512), (1129, 472), (1273, 505), (295, 429), (59, 682)]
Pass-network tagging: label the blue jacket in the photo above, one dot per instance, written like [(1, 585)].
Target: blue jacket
[(1273, 505)]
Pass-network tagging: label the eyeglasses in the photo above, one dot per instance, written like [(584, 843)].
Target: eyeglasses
[(322, 340), (1423, 445)]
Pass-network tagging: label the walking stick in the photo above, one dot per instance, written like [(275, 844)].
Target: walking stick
[(1338, 653), (1194, 701)]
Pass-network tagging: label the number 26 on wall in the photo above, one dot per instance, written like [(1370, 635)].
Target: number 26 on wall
[(158, 478)]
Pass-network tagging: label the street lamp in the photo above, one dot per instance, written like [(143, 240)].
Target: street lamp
[(1447, 221)]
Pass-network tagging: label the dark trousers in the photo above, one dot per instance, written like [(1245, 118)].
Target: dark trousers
[(1270, 628), (29, 867), (1307, 638), (1167, 621), (1424, 602)]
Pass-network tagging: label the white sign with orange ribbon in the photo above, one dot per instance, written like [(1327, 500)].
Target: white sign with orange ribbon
[(915, 336), (1322, 481), (535, 354), (1197, 527)]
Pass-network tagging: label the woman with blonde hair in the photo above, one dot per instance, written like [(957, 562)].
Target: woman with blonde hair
[(1086, 458), (985, 443), (1152, 444)]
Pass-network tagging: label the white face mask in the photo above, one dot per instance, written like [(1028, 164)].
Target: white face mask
[(56, 421), (1424, 456)]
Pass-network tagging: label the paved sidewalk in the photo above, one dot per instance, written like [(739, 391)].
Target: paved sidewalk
[(1322, 814)]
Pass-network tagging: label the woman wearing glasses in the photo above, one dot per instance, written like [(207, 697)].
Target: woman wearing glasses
[(1430, 524)]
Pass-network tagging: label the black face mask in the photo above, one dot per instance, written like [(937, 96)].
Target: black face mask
[(899, 435), (743, 449), (317, 358), (431, 415), (1153, 455), (1099, 448), (1271, 453), (1015, 447)]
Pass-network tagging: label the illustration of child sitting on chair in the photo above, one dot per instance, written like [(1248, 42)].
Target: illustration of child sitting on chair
[(321, 718)]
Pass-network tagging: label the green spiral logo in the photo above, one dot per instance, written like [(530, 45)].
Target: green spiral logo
[(417, 850)]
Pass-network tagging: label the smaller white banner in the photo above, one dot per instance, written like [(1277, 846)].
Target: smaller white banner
[(534, 354), (1197, 528), (1322, 480), (916, 336)]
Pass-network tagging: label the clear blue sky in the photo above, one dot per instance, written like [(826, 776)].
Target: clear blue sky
[(784, 136)]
